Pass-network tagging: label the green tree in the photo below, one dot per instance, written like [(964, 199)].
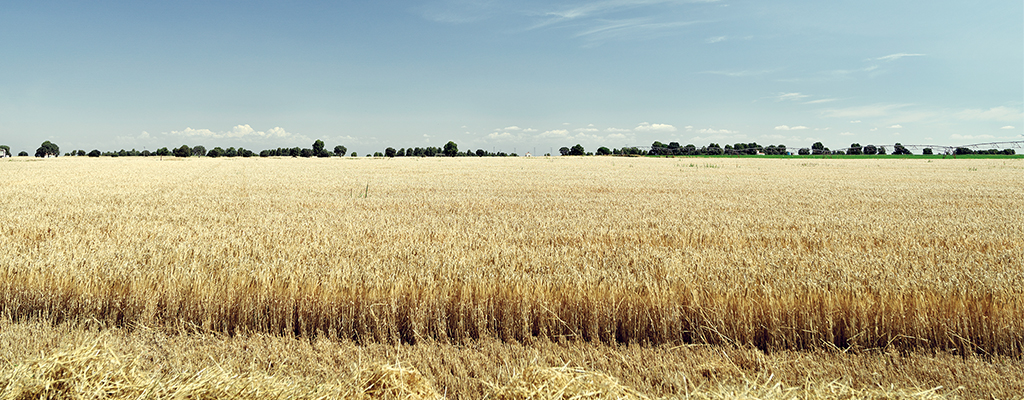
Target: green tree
[(870, 150), (389, 152), (183, 151), (199, 151), (94, 153), (163, 152), (451, 149), (340, 150), (6, 150), (564, 150), (306, 153), (604, 151), (215, 152), (855, 149), (48, 149), (318, 147), (23, 153), (577, 150)]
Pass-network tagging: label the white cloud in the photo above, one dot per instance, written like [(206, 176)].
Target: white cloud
[(529, 130), (970, 137), (897, 56), (688, 127), (716, 39), (897, 126), (616, 130), (846, 134), (790, 128), (790, 96), (585, 130), (647, 127), (1000, 113), (556, 133), (855, 121), (819, 101), (501, 135), (239, 131), (873, 129), (616, 136), (1005, 127), (512, 128), (712, 131)]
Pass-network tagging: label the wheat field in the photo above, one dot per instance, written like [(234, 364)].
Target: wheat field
[(764, 255)]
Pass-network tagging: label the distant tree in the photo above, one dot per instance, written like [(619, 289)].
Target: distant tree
[(804, 151), (80, 153), (318, 147), (855, 149), (122, 153), (183, 151), (430, 151), (264, 153), (354, 154), (817, 146), (306, 153), (6, 150), (216, 152), (480, 152), (378, 154), (23, 153), (881, 150), (400, 152), (245, 152), (163, 152), (340, 150), (963, 151), (564, 150), (604, 151), (899, 149), (714, 149), (577, 150), (47, 149), (294, 152), (926, 151), (390, 152), (199, 151), (94, 153), (230, 152), (451, 149), (870, 150)]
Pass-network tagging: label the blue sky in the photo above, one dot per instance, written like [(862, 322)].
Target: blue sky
[(509, 75)]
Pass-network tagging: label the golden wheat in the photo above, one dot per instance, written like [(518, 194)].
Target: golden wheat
[(772, 253)]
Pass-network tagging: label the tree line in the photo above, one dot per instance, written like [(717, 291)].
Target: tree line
[(451, 149)]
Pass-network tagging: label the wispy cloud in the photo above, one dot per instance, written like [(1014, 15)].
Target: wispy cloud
[(716, 39), (1000, 113), (790, 96), (897, 56), (820, 101), (1007, 127), (874, 110), (897, 126)]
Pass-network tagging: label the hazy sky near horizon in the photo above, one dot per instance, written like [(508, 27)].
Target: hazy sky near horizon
[(508, 75)]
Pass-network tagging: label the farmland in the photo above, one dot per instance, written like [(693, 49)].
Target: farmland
[(643, 269)]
